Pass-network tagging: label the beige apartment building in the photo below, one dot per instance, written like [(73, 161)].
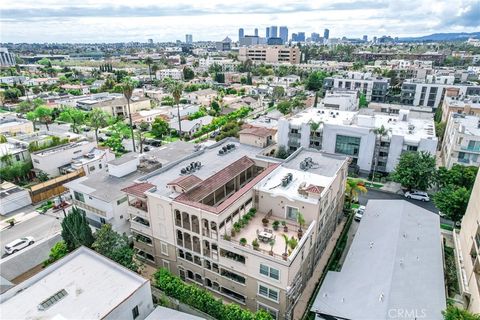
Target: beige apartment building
[(210, 218), (270, 54), (467, 249), (460, 105)]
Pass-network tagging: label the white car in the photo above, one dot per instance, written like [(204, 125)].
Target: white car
[(19, 244), (359, 213), (417, 195)]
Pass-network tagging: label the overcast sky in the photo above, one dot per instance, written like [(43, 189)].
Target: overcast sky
[(169, 20)]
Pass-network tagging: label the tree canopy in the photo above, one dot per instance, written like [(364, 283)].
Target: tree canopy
[(160, 128), (76, 231), (415, 170), (315, 80)]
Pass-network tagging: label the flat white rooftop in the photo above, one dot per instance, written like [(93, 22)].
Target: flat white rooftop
[(469, 125), (94, 286)]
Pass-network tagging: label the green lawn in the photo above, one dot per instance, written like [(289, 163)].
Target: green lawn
[(170, 139)]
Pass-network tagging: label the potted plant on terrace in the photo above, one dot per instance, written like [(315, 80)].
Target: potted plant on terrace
[(275, 225), (243, 241), (271, 243), (301, 223), (255, 244), (287, 240), (285, 227), (265, 222)]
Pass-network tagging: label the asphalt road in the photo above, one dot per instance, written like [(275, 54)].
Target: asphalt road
[(375, 194), (39, 227)]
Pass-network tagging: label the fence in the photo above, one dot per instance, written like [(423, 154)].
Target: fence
[(53, 187)]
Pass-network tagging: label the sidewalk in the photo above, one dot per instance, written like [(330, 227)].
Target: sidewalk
[(19, 218), (309, 289)]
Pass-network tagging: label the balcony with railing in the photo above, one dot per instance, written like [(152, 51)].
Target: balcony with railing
[(475, 149), (140, 224), (137, 207)]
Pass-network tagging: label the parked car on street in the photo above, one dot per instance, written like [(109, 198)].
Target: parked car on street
[(359, 213), (417, 195), (19, 244)]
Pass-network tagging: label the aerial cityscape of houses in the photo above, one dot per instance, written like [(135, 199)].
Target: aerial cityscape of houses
[(269, 175)]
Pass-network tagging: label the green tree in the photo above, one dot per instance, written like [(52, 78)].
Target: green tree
[(362, 102), (284, 106), (160, 128), (128, 86), (353, 188), (215, 106), (176, 90), (188, 73), (315, 80), (143, 126), (44, 115), (12, 94), (97, 119), (281, 153), (415, 170), (455, 313), (278, 92), (115, 246), (452, 201), (58, 251), (74, 116), (75, 230), (458, 175)]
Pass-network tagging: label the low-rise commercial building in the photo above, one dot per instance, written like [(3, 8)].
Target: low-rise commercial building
[(82, 285), (393, 269), (352, 134), (175, 74), (467, 250), (461, 141), (374, 88), (270, 54), (194, 217)]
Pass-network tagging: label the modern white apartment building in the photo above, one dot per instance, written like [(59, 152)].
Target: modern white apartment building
[(461, 141), (469, 105), (269, 54), (52, 160), (226, 64), (467, 249), (430, 91), (175, 74), (194, 217), (344, 100), (82, 285), (374, 88), (351, 133)]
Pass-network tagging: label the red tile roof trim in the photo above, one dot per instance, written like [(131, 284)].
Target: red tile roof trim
[(234, 197), (138, 189)]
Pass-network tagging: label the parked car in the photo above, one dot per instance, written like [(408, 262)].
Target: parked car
[(146, 149), (417, 195), (19, 244), (214, 134), (359, 213)]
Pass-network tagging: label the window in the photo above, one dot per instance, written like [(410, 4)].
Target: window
[(135, 312), (292, 213), (92, 168), (166, 265), (347, 145), (120, 201), (269, 272), (268, 292), (164, 248), (36, 161), (47, 303), (412, 148), (99, 166), (273, 312), (78, 196)]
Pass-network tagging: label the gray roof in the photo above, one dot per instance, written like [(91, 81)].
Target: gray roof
[(161, 313), (328, 163), (394, 263), (108, 188)]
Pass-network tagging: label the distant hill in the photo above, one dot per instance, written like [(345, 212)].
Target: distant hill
[(454, 36)]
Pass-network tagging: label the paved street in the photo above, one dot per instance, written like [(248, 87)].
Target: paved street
[(39, 227)]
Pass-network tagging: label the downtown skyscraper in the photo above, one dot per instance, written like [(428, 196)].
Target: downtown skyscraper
[(284, 34)]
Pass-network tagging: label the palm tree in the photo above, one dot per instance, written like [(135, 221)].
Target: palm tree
[(128, 86), (7, 159), (379, 134), (301, 223), (353, 188), (176, 89), (3, 139), (149, 61), (287, 241)]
